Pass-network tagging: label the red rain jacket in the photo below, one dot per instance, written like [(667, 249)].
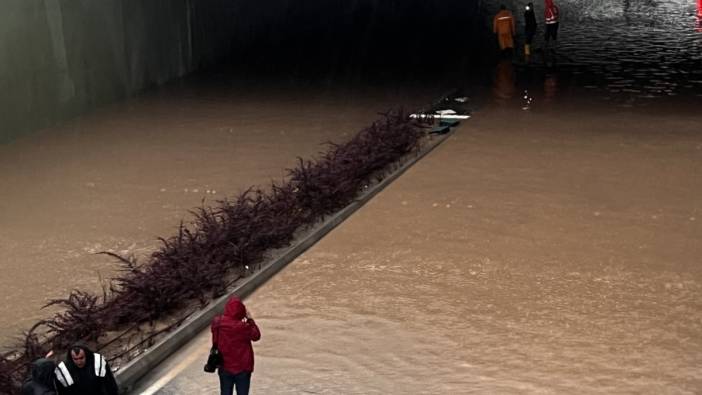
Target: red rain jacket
[(233, 336), (550, 12)]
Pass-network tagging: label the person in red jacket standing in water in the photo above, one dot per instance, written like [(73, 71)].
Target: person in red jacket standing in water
[(551, 15), (233, 333)]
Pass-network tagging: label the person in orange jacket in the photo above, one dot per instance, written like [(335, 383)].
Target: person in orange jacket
[(503, 26)]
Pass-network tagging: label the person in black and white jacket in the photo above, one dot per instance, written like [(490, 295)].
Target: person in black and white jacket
[(84, 373)]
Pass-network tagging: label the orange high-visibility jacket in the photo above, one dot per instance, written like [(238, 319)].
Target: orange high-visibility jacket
[(503, 23)]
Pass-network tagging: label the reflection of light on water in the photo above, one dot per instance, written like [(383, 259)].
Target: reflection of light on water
[(550, 86), (503, 88), (527, 100), (632, 42)]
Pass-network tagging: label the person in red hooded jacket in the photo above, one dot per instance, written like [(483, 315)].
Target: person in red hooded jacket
[(551, 14), (233, 333)]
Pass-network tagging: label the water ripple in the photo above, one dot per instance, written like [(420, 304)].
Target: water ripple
[(641, 48)]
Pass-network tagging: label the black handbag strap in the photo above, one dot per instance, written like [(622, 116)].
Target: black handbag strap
[(219, 322)]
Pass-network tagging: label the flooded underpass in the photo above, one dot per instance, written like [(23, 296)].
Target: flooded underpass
[(550, 245), (118, 179), (562, 258)]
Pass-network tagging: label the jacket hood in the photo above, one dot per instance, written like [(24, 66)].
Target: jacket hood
[(548, 3), (235, 309), (43, 372)]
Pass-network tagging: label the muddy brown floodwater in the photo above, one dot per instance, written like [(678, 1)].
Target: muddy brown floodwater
[(117, 179), (554, 250), (551, 251)]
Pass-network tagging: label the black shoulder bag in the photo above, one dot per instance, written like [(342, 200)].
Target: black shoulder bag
[(215, 357)]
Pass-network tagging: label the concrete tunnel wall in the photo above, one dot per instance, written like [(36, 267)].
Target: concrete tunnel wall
[(62, 58)]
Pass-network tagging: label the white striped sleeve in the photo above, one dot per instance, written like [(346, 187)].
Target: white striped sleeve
[(63, 376), (100, 365)]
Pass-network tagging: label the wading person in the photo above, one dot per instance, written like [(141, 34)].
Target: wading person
[(503, 26), (84, 372), (551, 20), (529, 29), (233, 333), (41, 382)]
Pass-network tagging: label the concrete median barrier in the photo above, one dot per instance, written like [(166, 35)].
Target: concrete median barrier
[(129, 374)]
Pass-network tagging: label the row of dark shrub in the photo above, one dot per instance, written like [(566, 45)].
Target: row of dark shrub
[(195, 264)]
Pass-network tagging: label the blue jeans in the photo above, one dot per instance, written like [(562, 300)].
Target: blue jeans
[(227, 382)]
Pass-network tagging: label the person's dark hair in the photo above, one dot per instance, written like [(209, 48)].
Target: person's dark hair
[(80, 345)]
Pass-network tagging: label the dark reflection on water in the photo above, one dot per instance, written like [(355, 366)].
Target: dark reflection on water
[(504, 87), (635, 50)]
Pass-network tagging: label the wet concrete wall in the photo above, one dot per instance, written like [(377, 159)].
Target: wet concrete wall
[(60, 58)]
